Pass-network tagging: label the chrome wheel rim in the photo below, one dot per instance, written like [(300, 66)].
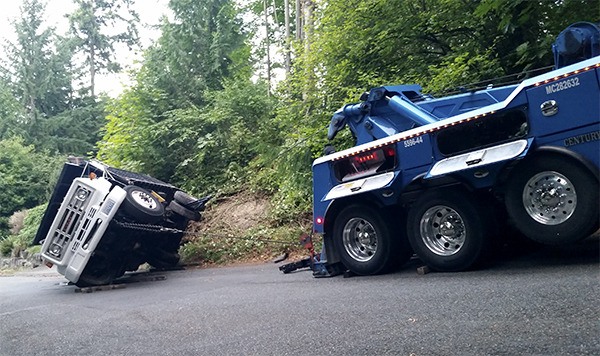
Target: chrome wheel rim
[(443, 230), (143, 199), (360, 239), (549, 198)]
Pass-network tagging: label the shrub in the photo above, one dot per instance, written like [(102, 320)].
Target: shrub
[(6, 247), (16, 221), (28, 222)]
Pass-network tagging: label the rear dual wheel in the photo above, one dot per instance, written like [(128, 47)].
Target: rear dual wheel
[(367, 242), (449, 230)]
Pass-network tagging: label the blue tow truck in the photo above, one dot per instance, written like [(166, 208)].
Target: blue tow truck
[(442, 177)]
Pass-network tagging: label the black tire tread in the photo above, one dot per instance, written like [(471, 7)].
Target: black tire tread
[(392, 250), (183, 211), (584, 221), (477, 217)]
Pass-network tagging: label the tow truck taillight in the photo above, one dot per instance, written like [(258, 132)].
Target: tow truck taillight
[(365, 164)]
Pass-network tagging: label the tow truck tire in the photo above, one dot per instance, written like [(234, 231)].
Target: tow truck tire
[(367, 243), (183, 197), (142, 205), (449, 229), (183, 211), (553, 200)]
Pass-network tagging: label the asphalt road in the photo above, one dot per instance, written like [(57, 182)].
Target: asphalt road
[(536, 302)]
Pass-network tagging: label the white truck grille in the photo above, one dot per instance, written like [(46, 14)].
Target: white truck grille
[(71, 221), (84, 227)]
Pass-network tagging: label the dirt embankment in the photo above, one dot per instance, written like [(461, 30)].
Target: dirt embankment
[(234, 214), (237, 229)]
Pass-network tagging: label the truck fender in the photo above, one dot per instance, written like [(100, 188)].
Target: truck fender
[(562, 151), (509, 170)]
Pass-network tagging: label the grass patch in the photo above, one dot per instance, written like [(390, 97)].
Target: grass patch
[(255, 244)]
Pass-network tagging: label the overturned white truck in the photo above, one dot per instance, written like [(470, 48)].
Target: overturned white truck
[(102, 221)]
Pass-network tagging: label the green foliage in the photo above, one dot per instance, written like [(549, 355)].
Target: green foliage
[(26, 176), (216, 140), (12, 114), (457, 71), (30, 224), (38, 102), (392, 42), (219, 141), (386, 42), (204, 250), (216, 248), (92, 32), (285, 166), (523, 30), (74, 132), (125, 143), (37, 70), (190, 117), (195, 52), (6, 247), (13, 244)]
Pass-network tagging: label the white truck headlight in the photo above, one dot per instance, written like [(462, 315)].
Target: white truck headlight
[(82, 194), (55, 249)]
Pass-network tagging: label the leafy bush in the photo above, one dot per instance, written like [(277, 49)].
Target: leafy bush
[(15, 243), (6, 247), (26, 176)]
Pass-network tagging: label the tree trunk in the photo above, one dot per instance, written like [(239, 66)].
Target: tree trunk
[(275, 18), (308, 30), (92, 72), (267, 45), (288, 60), (299, 20), (33, 112), (309, 6)]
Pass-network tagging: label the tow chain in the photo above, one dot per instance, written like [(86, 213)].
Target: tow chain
[(147, 227)]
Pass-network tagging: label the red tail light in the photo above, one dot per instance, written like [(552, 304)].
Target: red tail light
[(366, 164)]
